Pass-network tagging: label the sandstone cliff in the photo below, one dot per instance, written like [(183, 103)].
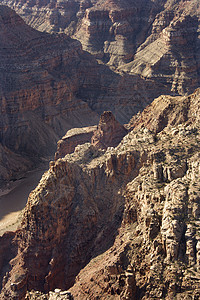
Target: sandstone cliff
[(73, 137), (117, 223), (156, 39), (48, 85), (109, 132)]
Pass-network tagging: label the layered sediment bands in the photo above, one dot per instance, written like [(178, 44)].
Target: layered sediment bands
[(73, 138), (39, 80), (172, 58), (112, 30), (168, 111), (121, 223), (49, 84), (158, 40)]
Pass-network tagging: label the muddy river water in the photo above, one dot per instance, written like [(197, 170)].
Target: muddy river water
[(13, 198)]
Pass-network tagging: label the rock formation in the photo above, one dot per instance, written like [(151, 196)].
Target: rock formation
[(38, 83), (171, 57), (48, 85), (168, 111), (109, 132), (73, 138), (117, 223), (158, 40), (117, 218)]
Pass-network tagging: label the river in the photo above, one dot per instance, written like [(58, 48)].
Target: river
[(13, 199)]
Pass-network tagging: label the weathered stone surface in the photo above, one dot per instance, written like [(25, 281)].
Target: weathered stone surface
[(171, 57), (55, 295), (109, 132), (48, 85), (167, 111), (73, 138), (156, 39), (110, 224)]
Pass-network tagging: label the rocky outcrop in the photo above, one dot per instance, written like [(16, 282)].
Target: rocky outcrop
[(56, 294), (109, 132), (37, 88), (171, 57), (73, 138), (121, 223), (37, 92), (108, 29), (167, 111), (111, 30), (48, 84)]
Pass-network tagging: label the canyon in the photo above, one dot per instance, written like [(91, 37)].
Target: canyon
[(49, 85), (118, 222), (139, 50), (108, 92), (157, 40)]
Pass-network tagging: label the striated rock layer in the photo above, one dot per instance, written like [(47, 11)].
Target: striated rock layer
[(156, 39), (48, 85), (73, 137), (109, 132), (117, 223)]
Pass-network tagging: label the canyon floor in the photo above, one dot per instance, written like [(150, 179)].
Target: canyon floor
[(14, 196)]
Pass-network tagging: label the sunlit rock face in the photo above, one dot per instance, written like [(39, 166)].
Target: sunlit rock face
[(109, 132), (117, 223)]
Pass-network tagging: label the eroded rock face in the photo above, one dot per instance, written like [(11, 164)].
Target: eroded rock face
[(73, 138), (109, 132), (119, 224), (158, 40), (48, 85), (170, 56), (167, 111), (108, 29), (37, 91)]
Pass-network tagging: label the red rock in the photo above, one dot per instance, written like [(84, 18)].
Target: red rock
[(109, 132), (116, 223), (73, 137)]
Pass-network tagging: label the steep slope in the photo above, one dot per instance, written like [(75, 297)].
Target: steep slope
[(48, 85), (155, 39), (37, 86), (172, 58), (121, 223), (109, 29), (168, 111)]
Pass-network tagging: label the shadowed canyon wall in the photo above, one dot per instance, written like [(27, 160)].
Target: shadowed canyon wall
[(48, 85), (154, 39)]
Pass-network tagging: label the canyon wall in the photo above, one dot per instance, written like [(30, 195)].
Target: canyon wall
[(117, 223), (158, 40), (48, 85)]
